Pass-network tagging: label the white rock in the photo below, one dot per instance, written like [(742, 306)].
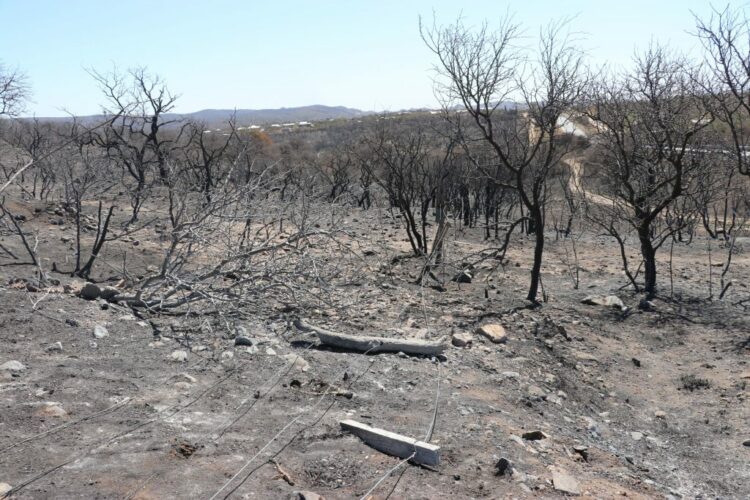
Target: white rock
[(227, 355), (299, 363), (608, 301), (461, 339), (495, 333), (56, 347), (51, 409), (179, 356), (564, 482), (100, 331), (13, 366), (5, 488), (186, 378), (270, 351)]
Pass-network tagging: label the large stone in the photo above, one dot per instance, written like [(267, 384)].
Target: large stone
[(13, 366), (56, 347), (90, 291), (584, 356), (299, 363), (495, 333), (608, 301), (463, 277), (461, 339), (109, 293), (100, 331), (564, 482), (535, 391), (179, 356), (306, 495), (243, 340), (5, 488), (51, 410), (535, 435)]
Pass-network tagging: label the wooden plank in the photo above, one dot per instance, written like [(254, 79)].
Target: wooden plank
[(394, 444), (364, 343)]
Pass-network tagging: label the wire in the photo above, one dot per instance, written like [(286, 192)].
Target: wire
[(385, 476), (289, 424)]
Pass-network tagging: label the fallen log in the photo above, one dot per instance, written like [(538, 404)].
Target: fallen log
[(394, 444), (364, 343)]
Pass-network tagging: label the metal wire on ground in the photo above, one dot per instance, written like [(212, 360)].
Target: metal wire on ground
[(278, 378), (107, 441), (289, 424)]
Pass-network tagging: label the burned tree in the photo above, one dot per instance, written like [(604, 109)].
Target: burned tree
[(481, 71), (14, 91), (410, 165), (138, 136), (652, 151)]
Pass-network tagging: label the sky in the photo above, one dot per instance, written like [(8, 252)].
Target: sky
[(226, 54)]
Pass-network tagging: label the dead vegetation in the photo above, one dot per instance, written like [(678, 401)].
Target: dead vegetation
[(540, 290)]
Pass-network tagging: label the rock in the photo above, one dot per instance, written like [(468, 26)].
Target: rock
[(13, 366), (583, 451), (242, 340), (660, 414), (463, 277), (305, 495), (90, 291), (746, 443), (299, 363), (179, 356), (636, 362), (584, 356), (109, 293), (72, 322), (51, 410), (563, 481), (461, 339), (637, 436), (495, 333), (186, 378), (608, 301), (535, 391), (56, 347), (511, 374), (183, 386), (270, 352), (5, 488), (534, 435), (227, 355), (502, 466), (100, 332)]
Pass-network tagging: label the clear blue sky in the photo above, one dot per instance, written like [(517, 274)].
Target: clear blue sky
[(274, 53)]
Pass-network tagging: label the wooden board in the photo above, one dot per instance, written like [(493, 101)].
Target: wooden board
[(394, 444)]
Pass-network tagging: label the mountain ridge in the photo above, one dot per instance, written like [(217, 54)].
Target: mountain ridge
[(244, 117)]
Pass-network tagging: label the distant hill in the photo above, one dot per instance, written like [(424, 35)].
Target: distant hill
[(211, 117), (316, 112)]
